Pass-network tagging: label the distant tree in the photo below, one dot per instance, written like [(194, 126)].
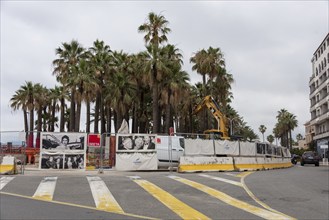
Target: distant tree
[(299, 137), (262, 130), (270, 138)]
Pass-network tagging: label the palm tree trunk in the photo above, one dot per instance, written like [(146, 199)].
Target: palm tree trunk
[(88, 116), (62, 120), (155, 97), (143, 117), (25, 120), (102, 114), (96, 118), (168, 113), (30, 133), (119, 120), (290, 140), (109, 119), (77, 117), (72, 111), (44, 119), (53, 115), (135, 119)]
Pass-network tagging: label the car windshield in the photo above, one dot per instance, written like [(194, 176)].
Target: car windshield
[(309, 154)]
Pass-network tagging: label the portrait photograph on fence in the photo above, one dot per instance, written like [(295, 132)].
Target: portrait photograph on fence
[(63, 141), (63, 150), (74, 161), (52, 161), (136, 152), (135, 143)]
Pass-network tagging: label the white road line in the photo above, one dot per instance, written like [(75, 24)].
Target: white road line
[(230, 174), (222, 179), (134, 177), (46, 189), (5, 180), (103, 198)]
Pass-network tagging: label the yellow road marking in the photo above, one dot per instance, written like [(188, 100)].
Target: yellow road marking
[(243, 174), (180, 208), (78, 206), (103, 198), (257, 200), (232, 201), (203, 167)]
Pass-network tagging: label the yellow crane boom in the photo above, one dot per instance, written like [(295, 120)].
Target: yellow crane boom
[(211, 104)]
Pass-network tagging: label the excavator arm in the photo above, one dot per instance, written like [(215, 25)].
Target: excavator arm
[(211, 104)]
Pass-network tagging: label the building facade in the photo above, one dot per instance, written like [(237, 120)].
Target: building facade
[(318, 127)]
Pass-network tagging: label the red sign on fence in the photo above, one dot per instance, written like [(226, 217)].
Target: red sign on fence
[(94, 140)]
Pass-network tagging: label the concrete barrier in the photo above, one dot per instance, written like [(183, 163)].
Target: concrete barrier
[(199, 163), (8, 165)]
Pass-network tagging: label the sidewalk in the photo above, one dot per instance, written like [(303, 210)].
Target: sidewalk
[(34, 170)]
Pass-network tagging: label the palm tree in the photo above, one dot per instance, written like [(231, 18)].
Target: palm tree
[(270, 138), (18, 101), (24, 97), (299, 137), (173, 80), (121, 89), (101, 58), (41, 100), (140, 110), (198, 61), (156, 30), (287, 122), (83, 79), (262, 129), (58, 94), (69, 55), (214, 62)]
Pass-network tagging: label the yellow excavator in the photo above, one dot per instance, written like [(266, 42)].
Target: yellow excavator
[(211, 104)]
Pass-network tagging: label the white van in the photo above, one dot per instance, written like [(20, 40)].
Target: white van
[(165, 155)]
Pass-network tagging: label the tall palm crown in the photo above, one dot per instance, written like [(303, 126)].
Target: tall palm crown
[(69, 56), (156, 29)]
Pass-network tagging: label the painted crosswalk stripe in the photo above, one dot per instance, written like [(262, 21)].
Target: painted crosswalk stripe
[(103, 198), (5, 180), (222, 179), (177, 206), (46, 189), (263, 213)]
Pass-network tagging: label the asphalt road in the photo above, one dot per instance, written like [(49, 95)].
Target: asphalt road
[(293, 193)]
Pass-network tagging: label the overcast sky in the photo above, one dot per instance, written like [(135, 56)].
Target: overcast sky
[(268, 46)]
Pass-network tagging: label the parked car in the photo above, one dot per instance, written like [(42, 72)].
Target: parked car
[(310, 157)]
